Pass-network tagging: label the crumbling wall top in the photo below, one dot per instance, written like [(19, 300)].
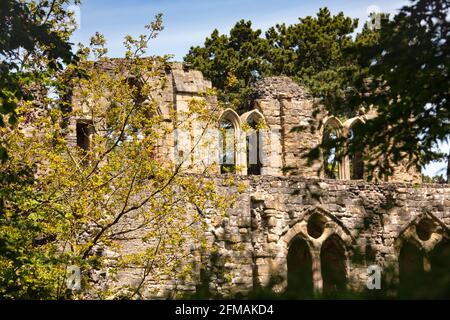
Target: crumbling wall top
[(279, 87), (187, 80)]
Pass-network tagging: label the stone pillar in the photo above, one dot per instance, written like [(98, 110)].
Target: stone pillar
[(286, 106)]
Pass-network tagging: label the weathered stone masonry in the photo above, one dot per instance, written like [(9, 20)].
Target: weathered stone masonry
[(360, 224), (325, 231), (371, 220)]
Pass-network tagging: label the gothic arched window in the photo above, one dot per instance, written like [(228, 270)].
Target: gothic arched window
[(253, 148), (330, 158), (356, 153), (227, 146)]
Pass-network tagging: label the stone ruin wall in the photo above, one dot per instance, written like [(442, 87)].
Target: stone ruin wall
[(372, 220), (285, 105), (282, 106), (180, 86), (252, 242)]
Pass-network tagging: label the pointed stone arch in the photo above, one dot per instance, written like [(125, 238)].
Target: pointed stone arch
[(229, 144), (231, 115), (411, 273), (416, 249), (255, 114), (438, 232), (333, 166), (333, 225), (349, 123), (440, 270), (333, 123), (299, 269), (333, 228), (334, 266), (256, 141), (353, 164)]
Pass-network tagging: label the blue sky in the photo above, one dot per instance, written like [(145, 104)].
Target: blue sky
[(187, 23)]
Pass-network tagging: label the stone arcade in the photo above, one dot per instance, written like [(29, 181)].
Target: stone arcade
[(303, 233)]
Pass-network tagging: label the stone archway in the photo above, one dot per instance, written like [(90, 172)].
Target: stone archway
[(354, 161), (315, 228), (229, 142), (424, 259), (332, 167), (333, 265), (299, 269), (256, 142), (440, 271), (411, 271)]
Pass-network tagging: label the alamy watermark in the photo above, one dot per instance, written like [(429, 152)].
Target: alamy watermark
[(373, 277), (374, 19), (73, 278)]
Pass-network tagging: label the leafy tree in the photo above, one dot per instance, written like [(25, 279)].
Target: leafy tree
[(33, 47), (62, 205), (406, 82), (305, 51), (232, 62), (313, 45), (313, 53), (435, 179), (335, 84)]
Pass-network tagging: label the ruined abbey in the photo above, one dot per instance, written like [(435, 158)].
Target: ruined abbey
[(309, 231)]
